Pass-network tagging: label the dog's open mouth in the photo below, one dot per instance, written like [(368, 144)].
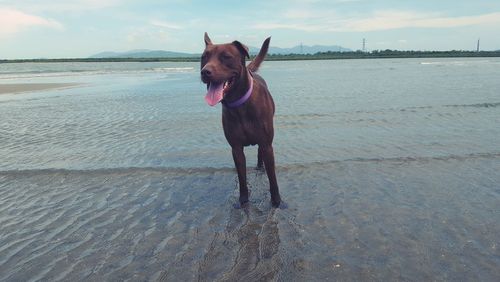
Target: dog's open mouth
[(216, 90)]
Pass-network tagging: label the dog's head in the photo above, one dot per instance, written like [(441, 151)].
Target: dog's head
[(222, 65)]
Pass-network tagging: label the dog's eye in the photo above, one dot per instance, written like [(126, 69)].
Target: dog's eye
[(225, 56)]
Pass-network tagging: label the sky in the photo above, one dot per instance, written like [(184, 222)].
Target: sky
[(81, 28)]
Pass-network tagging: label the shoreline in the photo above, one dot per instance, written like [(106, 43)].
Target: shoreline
[(387, 54), (17, 88)]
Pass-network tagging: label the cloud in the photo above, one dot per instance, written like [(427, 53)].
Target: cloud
[(146, 34), (301, 27), (13, 21), (155, 30), (310, 20), (80, 5), (61, 6), (385, 20), (164, 24)]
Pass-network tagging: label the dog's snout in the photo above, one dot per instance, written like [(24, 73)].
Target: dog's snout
[(205, 72)]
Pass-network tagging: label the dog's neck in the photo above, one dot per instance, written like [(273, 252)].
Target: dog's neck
[(241, 93)]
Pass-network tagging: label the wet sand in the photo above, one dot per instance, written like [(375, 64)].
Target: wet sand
[(30, 87), (381, 220)]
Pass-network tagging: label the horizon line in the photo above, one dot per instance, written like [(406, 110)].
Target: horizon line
[(368, 54)]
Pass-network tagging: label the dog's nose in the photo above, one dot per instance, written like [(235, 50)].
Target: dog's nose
[(206, 72)]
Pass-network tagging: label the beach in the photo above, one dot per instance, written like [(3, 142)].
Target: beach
[(407, 220), (389, 168), (30, 87)]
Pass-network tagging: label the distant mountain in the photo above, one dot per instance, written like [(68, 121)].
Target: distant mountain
[(144, 53), (304, 49)]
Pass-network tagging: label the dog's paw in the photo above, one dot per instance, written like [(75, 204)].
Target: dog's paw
[(281, 205), (240, 206), (260, 168)]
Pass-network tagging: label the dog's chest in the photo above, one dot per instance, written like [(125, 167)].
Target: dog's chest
[(252, 132), (243, 130)]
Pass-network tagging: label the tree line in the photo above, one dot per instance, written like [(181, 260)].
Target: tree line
[(375, 54)]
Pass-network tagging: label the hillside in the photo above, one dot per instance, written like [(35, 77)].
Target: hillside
[(144, 53)]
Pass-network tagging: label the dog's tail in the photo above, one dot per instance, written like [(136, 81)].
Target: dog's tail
[(255, 63)]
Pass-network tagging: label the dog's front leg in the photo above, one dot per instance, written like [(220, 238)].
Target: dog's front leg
[(241, 168)]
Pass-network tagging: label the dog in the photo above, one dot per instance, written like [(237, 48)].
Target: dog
[(247, 108)]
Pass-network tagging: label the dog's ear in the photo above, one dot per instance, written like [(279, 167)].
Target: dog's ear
[(242, 48), (207, 40)]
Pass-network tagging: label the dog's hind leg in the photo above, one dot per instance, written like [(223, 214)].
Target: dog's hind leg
[(268, 156), (260, 160)]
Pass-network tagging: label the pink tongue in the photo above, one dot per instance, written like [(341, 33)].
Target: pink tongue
[(214, 93)]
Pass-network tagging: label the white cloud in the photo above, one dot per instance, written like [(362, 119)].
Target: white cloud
[(311, 20), (301, 27), (146, 34), (299, 14), (384, 20), (83, 4), (13, 21), (155, 30), (37, 6), (164, 24)]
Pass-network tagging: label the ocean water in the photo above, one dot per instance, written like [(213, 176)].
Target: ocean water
[(390, 168)]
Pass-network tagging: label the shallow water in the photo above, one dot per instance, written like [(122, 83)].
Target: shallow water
[(390, 169)]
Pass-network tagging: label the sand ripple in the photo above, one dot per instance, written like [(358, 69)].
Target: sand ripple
[(361, 220)]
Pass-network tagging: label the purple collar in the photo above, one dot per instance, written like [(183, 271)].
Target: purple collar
[(244, 98)]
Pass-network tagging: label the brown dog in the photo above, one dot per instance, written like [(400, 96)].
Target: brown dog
[(247, 107)]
